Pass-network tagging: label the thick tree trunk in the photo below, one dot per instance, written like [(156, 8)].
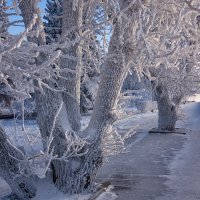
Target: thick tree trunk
[(14, 169), (68, 119), (72, 19), (78, 174), (115, 70), (50, 104), (167, 110)]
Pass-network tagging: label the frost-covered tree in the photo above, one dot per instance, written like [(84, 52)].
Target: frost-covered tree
[(3, 19), (17, 63), (93, 55), (53, 20), (72, 155), (91, 59), (5, 97), (171, 87), (167, 49)]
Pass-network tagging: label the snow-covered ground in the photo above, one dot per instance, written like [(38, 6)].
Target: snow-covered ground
[(194, 98), (184, 180), (157, 166)]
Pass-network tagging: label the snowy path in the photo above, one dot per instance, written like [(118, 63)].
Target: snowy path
[(184, 182), (159, 167)]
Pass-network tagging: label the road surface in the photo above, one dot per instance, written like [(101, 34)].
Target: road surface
[(159, 166)]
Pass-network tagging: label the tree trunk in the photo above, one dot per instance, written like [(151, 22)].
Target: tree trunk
[(68, 119), (28, 9), (77, 174), (72, 19), (13, 169), (167, 110), (49, 102)]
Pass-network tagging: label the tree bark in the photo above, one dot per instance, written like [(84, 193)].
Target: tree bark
[(77, 174), (72, 19), (167, 110), (119, 56)]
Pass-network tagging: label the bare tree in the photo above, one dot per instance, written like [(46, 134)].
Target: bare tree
[(17, 64), (77, 174), (167, 48), (74, 156)]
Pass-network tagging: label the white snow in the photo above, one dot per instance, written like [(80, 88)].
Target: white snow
[(46, 190), (194, 98), (31, 137)]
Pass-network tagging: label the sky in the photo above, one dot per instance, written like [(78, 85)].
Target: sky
[(18, 29)]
